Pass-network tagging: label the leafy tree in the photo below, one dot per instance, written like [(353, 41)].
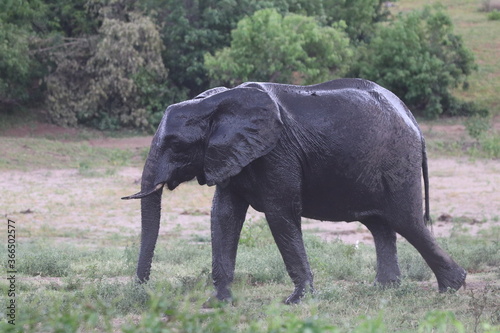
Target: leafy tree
[(270, 47), (73, 18), (190, 28), (111, 80), (420, 59), (20, 72), (360, 16)]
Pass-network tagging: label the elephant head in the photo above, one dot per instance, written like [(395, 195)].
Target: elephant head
[(212, 138)]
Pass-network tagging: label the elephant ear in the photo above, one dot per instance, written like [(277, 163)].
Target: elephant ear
[(211, 92), (246, 125)]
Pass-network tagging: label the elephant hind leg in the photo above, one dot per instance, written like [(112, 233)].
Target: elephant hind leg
[(448, 273), (388, 272)]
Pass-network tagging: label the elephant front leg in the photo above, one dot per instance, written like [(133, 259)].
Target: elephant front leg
[(288, 236), (228, 215)]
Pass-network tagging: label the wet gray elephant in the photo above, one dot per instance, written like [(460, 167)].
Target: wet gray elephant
[(344, 150)]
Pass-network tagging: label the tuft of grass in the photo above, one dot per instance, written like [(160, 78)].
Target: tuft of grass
[(44, 260), (339, 261), (490, 144), (412, 265), (256, 233), (494, 15), (477, 125), (479, 255)]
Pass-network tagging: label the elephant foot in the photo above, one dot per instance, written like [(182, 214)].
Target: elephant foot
[(452, 279), (218, 299), (387, 282), (299, 293), (213, 303)]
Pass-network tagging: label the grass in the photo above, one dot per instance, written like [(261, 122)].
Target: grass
[(38, 153), (474, 137), (69, 288)]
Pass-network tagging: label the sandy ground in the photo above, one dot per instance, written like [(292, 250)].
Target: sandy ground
[(465, 196)]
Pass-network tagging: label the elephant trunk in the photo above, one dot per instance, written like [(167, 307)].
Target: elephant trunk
[(150, 219), (150, 196), (150, 216)]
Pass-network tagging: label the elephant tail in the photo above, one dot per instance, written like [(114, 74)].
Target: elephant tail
[(425, 173)]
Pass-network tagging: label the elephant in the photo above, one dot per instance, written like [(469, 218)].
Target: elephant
[(343, 150)]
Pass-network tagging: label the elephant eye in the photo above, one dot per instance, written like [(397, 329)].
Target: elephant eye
[(176, 146)]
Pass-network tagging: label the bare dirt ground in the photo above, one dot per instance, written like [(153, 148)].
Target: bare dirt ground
[(465, 196)]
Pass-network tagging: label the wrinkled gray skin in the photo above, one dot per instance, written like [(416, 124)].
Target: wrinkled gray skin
[(344, 150)]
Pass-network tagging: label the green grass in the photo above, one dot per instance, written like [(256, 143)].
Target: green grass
[(69, 288), (37, 153), (494, 15)]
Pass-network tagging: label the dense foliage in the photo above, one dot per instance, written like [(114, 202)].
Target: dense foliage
[(420, 59), (290, 49), (113, 72), (19, 22), (119, 63)]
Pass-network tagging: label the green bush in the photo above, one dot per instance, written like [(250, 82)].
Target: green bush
[(291, 49), (479, 128), (256, 233), (20, 70), (490, 144), (477, 125), (361, 16), (191, 29), (113, 80), (420, 58)]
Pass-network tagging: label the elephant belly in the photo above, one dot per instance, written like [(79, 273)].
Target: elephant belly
[(334, 195), (337, 205)]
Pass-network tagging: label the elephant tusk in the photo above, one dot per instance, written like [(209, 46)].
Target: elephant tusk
[(140, 195)]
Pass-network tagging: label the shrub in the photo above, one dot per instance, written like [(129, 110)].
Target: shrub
[(270, 47), (20, 70), (477, 125), (360, 15), (112, 80), (420, 59), (479, 128), (476, 256), (490, 144)]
